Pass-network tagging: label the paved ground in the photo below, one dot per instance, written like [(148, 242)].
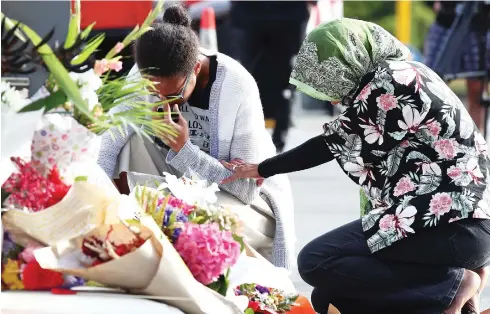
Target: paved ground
[(324, 197)]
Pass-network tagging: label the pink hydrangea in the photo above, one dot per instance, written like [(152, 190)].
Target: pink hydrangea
[(404, 186), (207, 251), (440, 204), (387, 102), (387, 222), (447, 148)]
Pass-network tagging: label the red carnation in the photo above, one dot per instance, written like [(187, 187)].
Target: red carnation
[(35, 277)]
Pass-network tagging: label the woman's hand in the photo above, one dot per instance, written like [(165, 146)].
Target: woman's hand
[(175, 142), (242, 170)]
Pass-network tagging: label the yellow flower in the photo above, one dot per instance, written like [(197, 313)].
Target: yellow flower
[(11, 275)]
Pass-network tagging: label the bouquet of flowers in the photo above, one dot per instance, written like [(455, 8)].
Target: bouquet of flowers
[(197, 231), (33, 190), (266, 300), (105, 255), (56, 192), (101, 248), (21, 270), (78, 96)]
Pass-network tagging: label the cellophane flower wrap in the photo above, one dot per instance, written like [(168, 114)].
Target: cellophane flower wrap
[(206, 236), (62, 141), (15, 143)]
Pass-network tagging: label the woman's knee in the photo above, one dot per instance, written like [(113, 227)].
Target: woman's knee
[(308, 261)]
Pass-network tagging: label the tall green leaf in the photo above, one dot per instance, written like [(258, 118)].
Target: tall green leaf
[(87, 31), (48, 103), (73, 29), (138, 31), (89, 49), (57, 70)]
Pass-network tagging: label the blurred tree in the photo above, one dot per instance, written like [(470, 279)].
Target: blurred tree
[(383, 13)]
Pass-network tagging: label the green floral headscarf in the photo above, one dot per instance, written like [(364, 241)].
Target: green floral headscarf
[(336, 55)]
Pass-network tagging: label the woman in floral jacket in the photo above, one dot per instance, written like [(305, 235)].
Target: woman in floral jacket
[(409, 142)]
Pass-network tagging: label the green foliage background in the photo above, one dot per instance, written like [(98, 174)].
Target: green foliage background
[(383, 13)]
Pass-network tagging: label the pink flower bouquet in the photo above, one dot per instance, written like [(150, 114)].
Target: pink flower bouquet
[(208, 239)]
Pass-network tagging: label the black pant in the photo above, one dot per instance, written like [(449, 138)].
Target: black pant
[(419, 274), (267, 50)]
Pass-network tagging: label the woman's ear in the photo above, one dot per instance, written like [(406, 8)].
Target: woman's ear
[(197, 68)]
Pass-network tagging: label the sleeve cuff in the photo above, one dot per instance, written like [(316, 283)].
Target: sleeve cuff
[(184, 158)]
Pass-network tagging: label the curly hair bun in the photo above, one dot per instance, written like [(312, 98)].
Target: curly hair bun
[(177, 15)]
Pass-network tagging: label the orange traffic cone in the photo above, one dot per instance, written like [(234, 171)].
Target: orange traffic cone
[(207, 33)]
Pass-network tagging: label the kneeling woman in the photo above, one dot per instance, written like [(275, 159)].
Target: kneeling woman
[(220, 117), (409, 142)]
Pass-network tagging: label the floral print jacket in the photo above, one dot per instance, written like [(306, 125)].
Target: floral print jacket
[(409, 142)]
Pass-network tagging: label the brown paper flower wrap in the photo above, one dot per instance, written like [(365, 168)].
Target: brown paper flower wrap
[(134, 270), (155, 270)]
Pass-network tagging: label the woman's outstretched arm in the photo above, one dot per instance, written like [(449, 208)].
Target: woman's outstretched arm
[(311, 153)]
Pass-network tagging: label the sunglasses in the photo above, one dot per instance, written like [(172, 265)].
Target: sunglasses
[(180, 94)]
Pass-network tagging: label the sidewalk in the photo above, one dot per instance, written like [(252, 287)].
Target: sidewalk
[(324, 197)]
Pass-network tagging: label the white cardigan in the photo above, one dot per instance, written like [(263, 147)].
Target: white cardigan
[(237, 131)]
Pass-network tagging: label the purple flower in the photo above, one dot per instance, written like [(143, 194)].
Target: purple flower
[(180, 217), (262, 289), (166, 216), (176, 234), (7, 244), (72, 281)]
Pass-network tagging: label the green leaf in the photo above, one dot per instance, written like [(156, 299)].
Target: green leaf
[(365, 203), (89, 49), (249, 311), (57, 70), (220, 285), (173, 218), (4, 195), (52, 101), (73, 29), (81, 179), (198, 220), (138, 31), (87, 30), (239, 239)]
